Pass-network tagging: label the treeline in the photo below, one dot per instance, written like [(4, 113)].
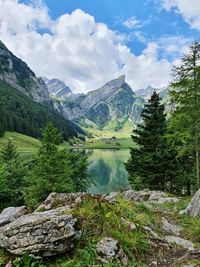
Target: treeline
[(53, 170), (166, 156), (21, 114)]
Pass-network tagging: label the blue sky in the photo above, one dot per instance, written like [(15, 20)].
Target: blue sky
[(157, 21), (88, 42)]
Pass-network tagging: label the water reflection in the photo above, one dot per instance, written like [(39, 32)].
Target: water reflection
[(107, 170)]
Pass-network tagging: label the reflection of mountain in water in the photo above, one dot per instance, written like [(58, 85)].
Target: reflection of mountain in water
[(107, 170)]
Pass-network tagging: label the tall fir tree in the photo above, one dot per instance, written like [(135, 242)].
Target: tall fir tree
[(55, 170), (153, 160), (9, 151), (12, 172), (185, 96)]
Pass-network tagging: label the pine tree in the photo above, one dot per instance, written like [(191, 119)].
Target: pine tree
[(12, 172), (153, 160), (186, 97), (9, 151), (55, 170)]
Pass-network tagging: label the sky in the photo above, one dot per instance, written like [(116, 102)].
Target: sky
[(87, 43)]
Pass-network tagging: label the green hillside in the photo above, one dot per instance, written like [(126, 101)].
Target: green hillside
[(26, 145), (21, 114)]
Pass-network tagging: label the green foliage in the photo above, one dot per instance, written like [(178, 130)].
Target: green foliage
[(21, 114), (55, 170), (9, 152), (12, 173), (27, 261), (153, 161), (184, 122)]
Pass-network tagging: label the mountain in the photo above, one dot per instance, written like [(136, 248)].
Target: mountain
[(57, 88), (147, 92), (16, 73), (110, 107), (25, 104)]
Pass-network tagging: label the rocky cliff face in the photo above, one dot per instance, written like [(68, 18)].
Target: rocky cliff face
[(16, 73), (58, 88), (114, 103)]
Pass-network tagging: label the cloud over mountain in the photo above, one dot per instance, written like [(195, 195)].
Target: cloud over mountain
[(77, 49)]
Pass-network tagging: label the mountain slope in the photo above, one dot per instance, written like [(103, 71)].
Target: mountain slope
[(114, 106), (25, 104), (16, 73), (58, 88), (21, 114)]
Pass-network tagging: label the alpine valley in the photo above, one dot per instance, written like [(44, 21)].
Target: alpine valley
[(28, 102)]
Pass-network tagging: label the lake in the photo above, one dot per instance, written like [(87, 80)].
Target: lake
[(106, 167)]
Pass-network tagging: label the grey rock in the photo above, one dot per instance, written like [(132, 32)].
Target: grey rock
[(149, 230), (11, 213), (41, 233), (57, 88), (194, 206), (171, 228), (108, 250), (55, 200), (9, 264), (161, 198), (180, 242), (136, 195), (111, 198), (131, 225)]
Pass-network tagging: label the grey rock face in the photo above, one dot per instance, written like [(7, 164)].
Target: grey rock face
[(161, 197), (157, 197), (10, 214), (108, 250), (136, 195), (41, 233), (172, 228), (194, 206), (180, 242), (58, 88), (16, 73), (115, 101), (55, 200)]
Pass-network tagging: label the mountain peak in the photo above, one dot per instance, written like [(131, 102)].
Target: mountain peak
[(116, 83), (58, 88)]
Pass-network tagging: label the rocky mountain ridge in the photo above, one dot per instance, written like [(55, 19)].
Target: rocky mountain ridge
[(16, 73), (115, 103)]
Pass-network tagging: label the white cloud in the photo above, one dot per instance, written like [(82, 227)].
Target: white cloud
[(189, 9), (132, 23), (76, 49)]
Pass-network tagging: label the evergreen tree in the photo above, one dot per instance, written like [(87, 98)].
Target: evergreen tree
[(53, 171), (185, 95), (153, 160), (9, 151), (12, 172)]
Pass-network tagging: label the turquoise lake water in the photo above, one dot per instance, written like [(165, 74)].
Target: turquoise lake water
[(107, 170)]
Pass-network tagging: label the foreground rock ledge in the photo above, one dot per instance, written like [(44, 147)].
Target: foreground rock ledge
[(41, 233)]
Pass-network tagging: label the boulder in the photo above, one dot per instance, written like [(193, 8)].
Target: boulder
[(171, 228), (108, 250), (55, 200), (111, 198), (161, 198), (194, 206), (136, 195), (41, 233), (180, 242), (10, 214)]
